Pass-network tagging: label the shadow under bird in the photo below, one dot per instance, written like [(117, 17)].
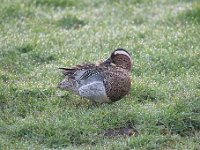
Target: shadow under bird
[(108, 81)]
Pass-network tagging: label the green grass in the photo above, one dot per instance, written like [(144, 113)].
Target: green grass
[(37, 37)]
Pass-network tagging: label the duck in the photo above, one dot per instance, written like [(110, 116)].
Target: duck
[(104, 82)]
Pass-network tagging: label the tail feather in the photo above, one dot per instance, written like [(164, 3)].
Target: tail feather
[(66, 68), (71, 71), (68, 71)]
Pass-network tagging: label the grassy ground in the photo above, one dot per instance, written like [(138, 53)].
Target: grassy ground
[(37, 37)]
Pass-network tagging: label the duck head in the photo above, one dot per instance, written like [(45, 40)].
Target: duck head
[(120, 58)]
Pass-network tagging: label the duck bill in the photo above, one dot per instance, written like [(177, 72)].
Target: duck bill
[(107, 62)]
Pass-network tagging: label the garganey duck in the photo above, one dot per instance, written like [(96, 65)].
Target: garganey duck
[(108, 81)]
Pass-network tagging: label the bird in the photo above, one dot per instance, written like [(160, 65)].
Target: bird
[(105, 82)]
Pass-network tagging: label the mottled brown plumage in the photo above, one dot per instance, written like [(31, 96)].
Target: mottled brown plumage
[(117, 83)]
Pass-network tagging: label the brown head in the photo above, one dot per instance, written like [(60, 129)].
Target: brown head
[(120, 58)]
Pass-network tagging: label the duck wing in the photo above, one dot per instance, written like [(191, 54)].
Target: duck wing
[(71, 71), (80, 75)]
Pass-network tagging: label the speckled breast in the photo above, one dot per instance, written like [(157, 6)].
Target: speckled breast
[(117, 83)]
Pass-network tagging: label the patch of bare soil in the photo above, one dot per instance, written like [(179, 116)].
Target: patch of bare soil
[(122, 131)]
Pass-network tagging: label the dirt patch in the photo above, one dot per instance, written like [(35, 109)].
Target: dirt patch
[(122, 131)]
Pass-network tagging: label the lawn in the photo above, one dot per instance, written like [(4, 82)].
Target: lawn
[(37, 37)]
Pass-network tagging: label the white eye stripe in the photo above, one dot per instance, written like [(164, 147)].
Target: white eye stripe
[(122, 53)]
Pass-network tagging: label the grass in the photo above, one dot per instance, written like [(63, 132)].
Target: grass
[(37, 37)]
